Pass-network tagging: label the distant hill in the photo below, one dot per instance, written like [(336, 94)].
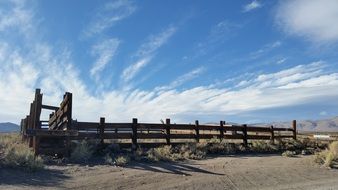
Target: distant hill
[(9, 127), (323, 125), (327, 125)]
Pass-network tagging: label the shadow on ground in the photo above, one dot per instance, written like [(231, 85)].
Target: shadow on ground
[(44, 178), (180, 168)]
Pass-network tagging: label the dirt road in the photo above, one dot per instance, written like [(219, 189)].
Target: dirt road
[(238, 172)]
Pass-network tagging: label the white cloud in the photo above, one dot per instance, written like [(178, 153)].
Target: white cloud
[(110, 14), (265, 49), (155, 41), (133, 69), (315, 20), (183, 79), (145, 53), (15, 15), (251, 6), (281, 61), (104, 51)]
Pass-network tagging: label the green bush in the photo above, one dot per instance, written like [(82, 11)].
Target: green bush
[(82, 152)]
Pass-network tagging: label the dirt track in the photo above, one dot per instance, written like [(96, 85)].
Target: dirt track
[(239, 172)]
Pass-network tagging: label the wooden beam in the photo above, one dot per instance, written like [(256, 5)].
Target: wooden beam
[(47, 107)]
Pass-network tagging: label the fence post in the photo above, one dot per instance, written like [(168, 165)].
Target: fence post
[(294, 128), (272, 135), (69, 110), (245, 135), (101, 126), (134, 135), (167, 122), (197, 131), (221, 130)]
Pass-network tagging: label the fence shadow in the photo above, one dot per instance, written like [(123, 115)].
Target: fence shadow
[(180, 168), (44, 178)]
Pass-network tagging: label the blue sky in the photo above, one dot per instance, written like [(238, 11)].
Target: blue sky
[(240, 61)]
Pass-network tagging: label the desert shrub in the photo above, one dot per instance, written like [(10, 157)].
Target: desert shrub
[(108, 159), (328, 157), (17, 154), (289, 153), (163, 153), (263, 146), (82, 152), (122, 160), (194, 151), (222, 147)]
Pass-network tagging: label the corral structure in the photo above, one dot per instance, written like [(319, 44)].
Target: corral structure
[(54, 136)]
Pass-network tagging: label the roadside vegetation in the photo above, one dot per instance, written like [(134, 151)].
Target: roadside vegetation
[(329, 156), (16, 154), (112, 154)]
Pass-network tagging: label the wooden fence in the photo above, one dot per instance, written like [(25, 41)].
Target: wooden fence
[(56, 139)]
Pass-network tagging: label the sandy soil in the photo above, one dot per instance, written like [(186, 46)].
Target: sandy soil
[(238, 172)]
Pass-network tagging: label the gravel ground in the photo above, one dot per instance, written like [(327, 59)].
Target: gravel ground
[(231, 172)]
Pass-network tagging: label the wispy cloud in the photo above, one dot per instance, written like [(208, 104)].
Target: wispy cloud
[(265, 49), (110, 14), (251, 6), (146, 52), (217, 35), (16, 15), (104, 51), (314, 20), (183, 79), (133, 69)]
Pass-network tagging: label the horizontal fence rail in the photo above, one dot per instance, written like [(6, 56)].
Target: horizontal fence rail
[(62, 130)]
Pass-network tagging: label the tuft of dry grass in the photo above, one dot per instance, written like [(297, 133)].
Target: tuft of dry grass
[(163, 153), (289, 153), (263, 146), (17, 154), (122, 160), (328, 157)]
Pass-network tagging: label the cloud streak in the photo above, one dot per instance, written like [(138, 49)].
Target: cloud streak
[(146, 52), (251, 6), (109, 15), (104, 51)]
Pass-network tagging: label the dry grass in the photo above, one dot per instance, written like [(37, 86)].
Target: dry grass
[(122, 160), (17, 154), (328, 157)]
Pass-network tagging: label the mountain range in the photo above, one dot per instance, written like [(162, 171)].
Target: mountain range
[(9, 127), (327, 125), (324, 125)]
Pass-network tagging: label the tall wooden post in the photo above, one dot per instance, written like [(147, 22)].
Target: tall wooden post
[(37, 104), (245, 135), (134, 135), (197, 131), (272, 138), (101, 126), (167, 122), (221, 130), (294, 129)]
